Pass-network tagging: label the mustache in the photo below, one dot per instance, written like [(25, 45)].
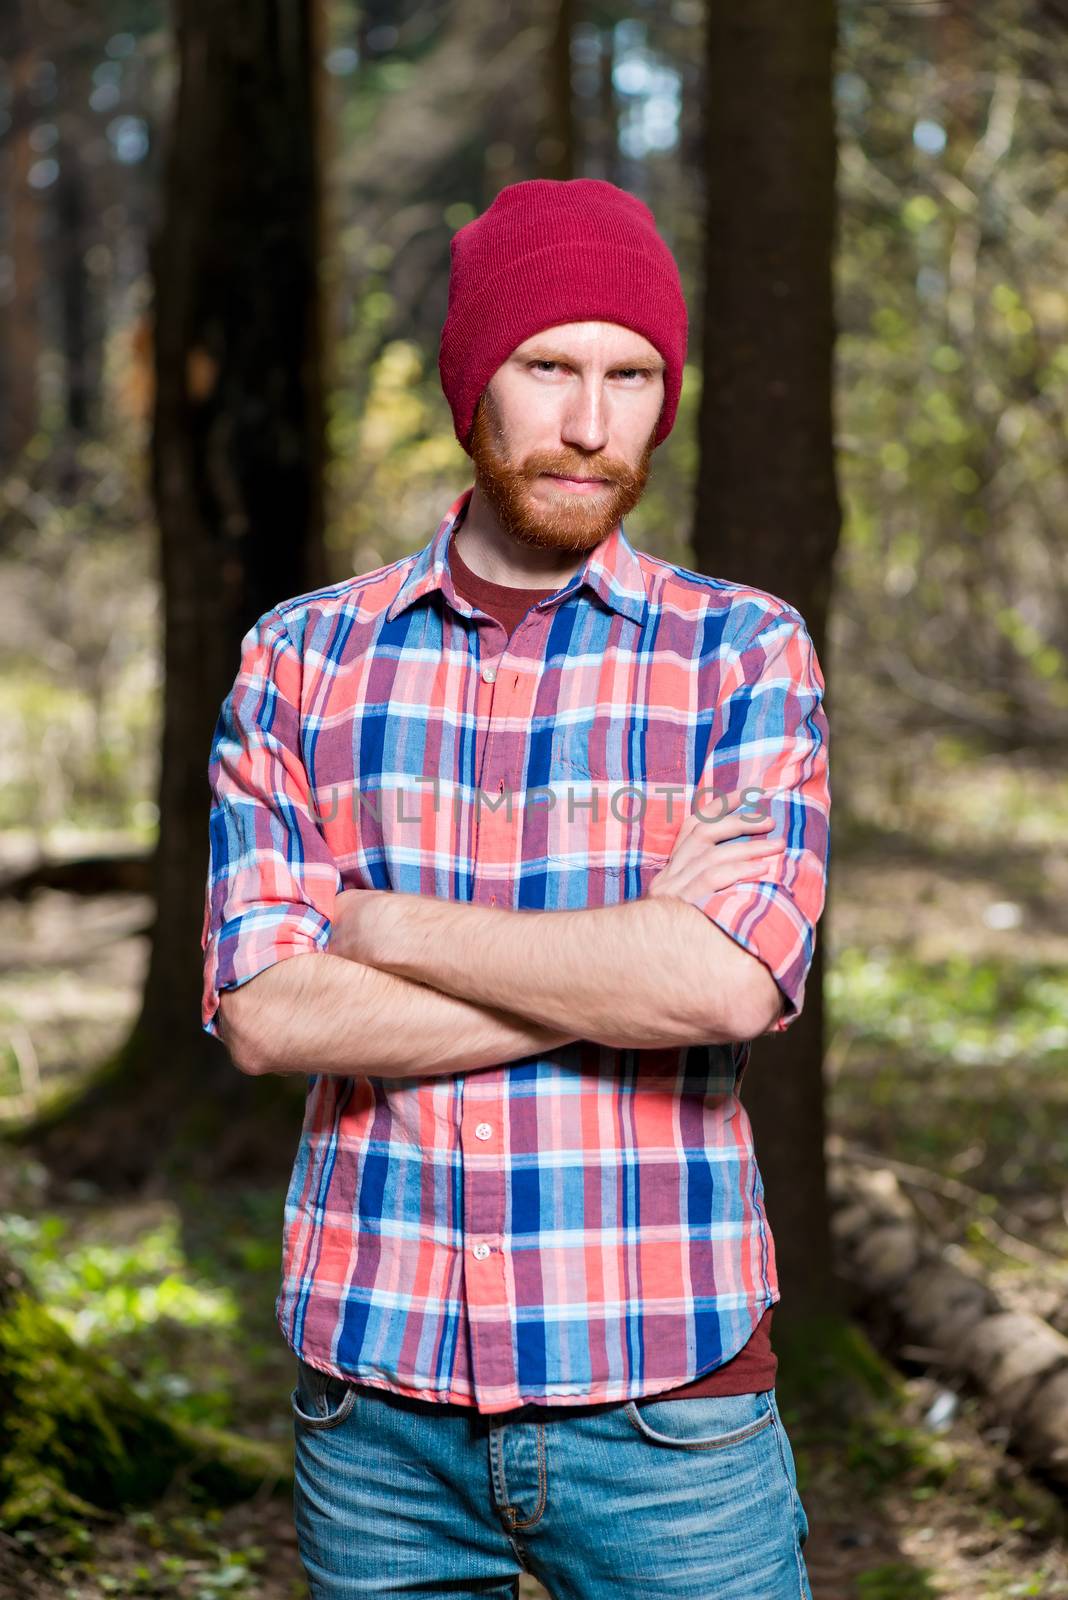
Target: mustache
[(614, 472)]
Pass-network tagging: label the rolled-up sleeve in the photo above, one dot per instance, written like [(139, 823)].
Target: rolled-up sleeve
[(272, 881), (770, 741)]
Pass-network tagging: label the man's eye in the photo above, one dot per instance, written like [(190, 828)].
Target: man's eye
[(544, 364)]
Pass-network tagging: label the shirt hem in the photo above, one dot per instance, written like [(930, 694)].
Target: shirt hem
[(600, 1395)]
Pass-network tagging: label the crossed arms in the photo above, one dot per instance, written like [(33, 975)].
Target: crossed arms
[(392, 984), (424, 987)]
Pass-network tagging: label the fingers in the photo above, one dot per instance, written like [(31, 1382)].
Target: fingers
[(707, 821), (721, 868), (723, 877), (701, 851), (735, 848)]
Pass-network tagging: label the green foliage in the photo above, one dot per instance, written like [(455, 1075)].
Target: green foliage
[(951, 368), (184, 1554), (882, 1450), (957, 1066), (79, 621), (959, 1011), (86, 1299), (894, 1580), (99, 1290), (139, 1297)]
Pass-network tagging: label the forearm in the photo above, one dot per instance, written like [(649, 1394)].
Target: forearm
[(322, 1013), (640, 975)]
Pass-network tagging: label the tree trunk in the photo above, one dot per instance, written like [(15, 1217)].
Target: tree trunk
[(767, 509), (81, 314), (80, 349), (237, 469), (608, 106), (22, 311), (560, 136)]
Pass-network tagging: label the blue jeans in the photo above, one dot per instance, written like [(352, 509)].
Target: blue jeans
[(663, 1500)]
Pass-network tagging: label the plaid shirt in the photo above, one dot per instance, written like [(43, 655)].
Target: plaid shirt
[(585, 1225)]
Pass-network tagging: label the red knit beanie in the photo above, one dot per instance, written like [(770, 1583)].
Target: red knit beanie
[(547, 252)]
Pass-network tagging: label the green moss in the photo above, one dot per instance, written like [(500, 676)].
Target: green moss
[(894, 1581), (75, 1440)]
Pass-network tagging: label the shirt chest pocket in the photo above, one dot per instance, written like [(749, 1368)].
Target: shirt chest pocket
[(622, 792)]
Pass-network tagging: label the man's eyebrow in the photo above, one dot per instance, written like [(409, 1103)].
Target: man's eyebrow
[(544, 352)]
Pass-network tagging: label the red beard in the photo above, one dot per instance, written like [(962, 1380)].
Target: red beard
[(572, 523)]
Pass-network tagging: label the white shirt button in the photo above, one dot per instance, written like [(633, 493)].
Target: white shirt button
[(489, 674), (481, 1251), (483, 1131)]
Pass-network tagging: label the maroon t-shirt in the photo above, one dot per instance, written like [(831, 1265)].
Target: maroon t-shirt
[(753, 1369)]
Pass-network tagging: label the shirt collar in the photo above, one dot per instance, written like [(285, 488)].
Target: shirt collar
[(612, 570)]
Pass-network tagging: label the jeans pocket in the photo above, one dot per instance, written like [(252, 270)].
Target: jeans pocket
[(704, 1422), (320, 1400)]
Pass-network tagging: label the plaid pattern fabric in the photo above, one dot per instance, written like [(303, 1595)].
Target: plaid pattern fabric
[(607, 1238)]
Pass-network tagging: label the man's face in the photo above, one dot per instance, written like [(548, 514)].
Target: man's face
[(580, 401)]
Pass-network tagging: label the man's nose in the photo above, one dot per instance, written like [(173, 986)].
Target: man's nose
[(585, 423)]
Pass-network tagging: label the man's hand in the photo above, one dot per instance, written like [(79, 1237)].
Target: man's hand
[(701, 862), (360, 923)]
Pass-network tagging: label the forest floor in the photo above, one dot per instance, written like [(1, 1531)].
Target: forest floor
[(948, 1040)]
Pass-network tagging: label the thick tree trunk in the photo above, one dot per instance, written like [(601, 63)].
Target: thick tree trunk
[(237, 469), (767, 508)]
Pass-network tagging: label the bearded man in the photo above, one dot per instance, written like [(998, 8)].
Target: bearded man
[(517, 843)]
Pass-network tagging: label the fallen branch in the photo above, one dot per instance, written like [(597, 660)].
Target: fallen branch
[(944, 1308), (124, 873), (1004, 1239)]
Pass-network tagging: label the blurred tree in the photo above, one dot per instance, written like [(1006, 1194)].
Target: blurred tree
[(74, 231), (767, 507), (469, 101), (20, 305), (237, 469), (608, 106), (72, 203), (953, 385), (560, 138)]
